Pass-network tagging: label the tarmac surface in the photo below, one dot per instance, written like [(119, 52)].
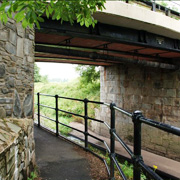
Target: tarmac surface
[(57, 159), (166, 165)]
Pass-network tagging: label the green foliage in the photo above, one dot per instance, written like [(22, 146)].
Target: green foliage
[(32, 176), (30, 12), (126, 167), (37, 76), (67, 89), (89, 74)]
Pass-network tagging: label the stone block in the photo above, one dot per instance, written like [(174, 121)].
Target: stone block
[(4, 36), (11, 165), (171, 93), (13, 127), (169, 101), (10, 48), (30, 59), (28, 47), (11, 26), (12, 70), (146, 106), (178, 93), (2, 70), (8, 113), (12, 37), (17, 110), (10, 82), (10, 154), (20, 30), (20, 47), (19, 83), (2, 173), (5, 90), (31, 37), (1, 25), (160, 149), (2, 113), (6, 100)]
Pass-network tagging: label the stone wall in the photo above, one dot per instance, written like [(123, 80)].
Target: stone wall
[(17, 151), (16, 70), (155, 92), (16, 101)]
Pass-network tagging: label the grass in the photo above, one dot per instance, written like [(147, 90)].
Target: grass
[(126, 167), (73, 89)]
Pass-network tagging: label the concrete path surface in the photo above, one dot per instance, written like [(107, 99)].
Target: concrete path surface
[(57, 159)]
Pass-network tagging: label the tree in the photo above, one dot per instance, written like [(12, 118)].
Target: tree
[(30, 12), (37, 76), (89, 74)]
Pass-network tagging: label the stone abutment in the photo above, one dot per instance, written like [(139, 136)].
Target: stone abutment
[(155, 92), (16, 101)]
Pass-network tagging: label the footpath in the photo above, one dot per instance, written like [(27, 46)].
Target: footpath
[(57, 159), (164, 164)]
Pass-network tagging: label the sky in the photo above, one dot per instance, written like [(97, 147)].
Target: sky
[(58, 70)]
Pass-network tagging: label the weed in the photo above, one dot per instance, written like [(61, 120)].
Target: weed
[(126, 167), (33, 175)]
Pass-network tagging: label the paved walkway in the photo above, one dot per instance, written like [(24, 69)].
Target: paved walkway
[(57, 159), (164, 164)]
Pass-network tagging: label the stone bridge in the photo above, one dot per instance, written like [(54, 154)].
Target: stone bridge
[(138, 51)]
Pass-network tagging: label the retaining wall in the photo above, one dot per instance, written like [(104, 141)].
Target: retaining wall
[(16, 101), (17, 149)]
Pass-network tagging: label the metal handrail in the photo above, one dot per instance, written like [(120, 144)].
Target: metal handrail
[(165, 127), (137, 119), (156, 6)]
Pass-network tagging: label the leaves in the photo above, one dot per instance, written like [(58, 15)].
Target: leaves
[(30, 12), (89, 74)]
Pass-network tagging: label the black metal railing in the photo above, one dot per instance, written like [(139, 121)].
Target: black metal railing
[(155, 6), (137, 118)]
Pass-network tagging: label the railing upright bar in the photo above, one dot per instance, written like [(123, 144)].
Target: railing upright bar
[(38, 103), (137, 145), (112, 141), (153, 6), (86, 122), (57, 118)]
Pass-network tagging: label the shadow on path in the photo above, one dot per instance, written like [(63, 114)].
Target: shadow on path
[(57, 159)]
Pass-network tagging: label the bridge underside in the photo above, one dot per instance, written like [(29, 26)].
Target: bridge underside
[(104, 45), (121, 50)]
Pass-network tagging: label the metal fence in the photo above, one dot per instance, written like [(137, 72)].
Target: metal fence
[(155, 6), (137, 118)]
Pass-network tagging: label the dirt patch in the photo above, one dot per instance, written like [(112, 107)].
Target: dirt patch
[(97, 167)]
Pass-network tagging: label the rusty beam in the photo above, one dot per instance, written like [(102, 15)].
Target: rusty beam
[(95, 57)]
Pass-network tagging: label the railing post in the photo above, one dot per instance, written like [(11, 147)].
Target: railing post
[(153, 6), (137, 144), (38, 103), (112, 141), (86, 122), (57, 120)]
